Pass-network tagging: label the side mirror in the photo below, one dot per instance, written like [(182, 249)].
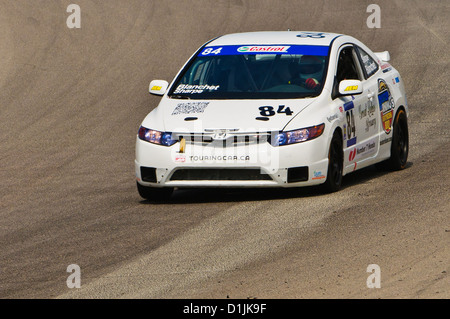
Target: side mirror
[(350, 87), (158, 87)]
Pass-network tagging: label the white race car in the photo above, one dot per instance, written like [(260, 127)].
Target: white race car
[(273, 109)]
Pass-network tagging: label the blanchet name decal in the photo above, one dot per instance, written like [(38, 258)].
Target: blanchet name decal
[(195, 89), (189, 108)]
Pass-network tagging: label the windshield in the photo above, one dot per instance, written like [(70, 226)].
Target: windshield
[(253, 72)]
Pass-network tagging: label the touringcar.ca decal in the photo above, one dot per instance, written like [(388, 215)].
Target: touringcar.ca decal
[(190, 107), (211, 158), (387, 105), (219, 158)]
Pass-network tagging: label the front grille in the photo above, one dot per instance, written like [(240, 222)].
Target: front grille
[(214, 174), (230, 139)]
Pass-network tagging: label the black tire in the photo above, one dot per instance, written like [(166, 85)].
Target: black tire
[(400, 142), (335, 165), (153, 193)]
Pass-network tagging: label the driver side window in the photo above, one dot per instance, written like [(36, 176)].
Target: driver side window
[(347, 68)]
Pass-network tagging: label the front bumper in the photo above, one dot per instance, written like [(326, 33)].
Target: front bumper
[(246, 165)]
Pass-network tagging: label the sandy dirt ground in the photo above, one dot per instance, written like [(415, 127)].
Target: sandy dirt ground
[(73, 99)]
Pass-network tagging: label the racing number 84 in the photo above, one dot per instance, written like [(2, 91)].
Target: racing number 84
[(269, 110)]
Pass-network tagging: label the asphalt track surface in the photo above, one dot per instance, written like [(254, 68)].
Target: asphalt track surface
[(73, 99)]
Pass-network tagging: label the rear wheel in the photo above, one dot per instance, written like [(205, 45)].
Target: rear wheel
[(400, 142), (335, 165), (153, 193)]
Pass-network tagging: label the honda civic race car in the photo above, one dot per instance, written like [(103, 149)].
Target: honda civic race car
[(273, 109)]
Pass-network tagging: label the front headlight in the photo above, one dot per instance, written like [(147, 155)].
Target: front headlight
[(298, 136), (156, 137)]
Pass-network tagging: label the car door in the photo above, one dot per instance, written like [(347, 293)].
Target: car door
[(359, 128), (368, 145)]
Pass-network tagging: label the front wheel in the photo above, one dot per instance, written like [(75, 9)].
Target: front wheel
[(335, 165), (153, 193)]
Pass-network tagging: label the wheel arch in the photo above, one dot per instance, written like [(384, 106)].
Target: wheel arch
[(403, 108)]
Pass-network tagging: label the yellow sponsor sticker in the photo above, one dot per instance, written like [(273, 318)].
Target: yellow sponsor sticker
[(182, 145), (387, 116), (351, 88)]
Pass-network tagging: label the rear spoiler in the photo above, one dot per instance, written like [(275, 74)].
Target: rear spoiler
[(383, 56)]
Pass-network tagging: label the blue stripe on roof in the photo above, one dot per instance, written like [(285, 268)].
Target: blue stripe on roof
[(317, 50)]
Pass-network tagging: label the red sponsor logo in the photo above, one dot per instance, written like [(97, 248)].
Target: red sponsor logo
[(180, 158), (352, 155)]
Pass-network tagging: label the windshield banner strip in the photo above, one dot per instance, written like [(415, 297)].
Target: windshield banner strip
[(317, 50)]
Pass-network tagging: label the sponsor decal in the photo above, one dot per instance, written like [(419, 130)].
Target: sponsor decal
[(351, 141), (219, 158), (349, 105), (362, 111), (195, 89), (387, 105), (189, 108), (386, 140), (362, 150), (370, 123), (156, 88), (180, 158), (351, 88), (318, 50), (352, 155), (182, 145), (313, 35), (318, 175), (332, 117), (386, 67), (368, 148), (367, 110), (369, 64), (265, 48)]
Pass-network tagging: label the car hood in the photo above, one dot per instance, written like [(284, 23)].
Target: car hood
[(239, 115)]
